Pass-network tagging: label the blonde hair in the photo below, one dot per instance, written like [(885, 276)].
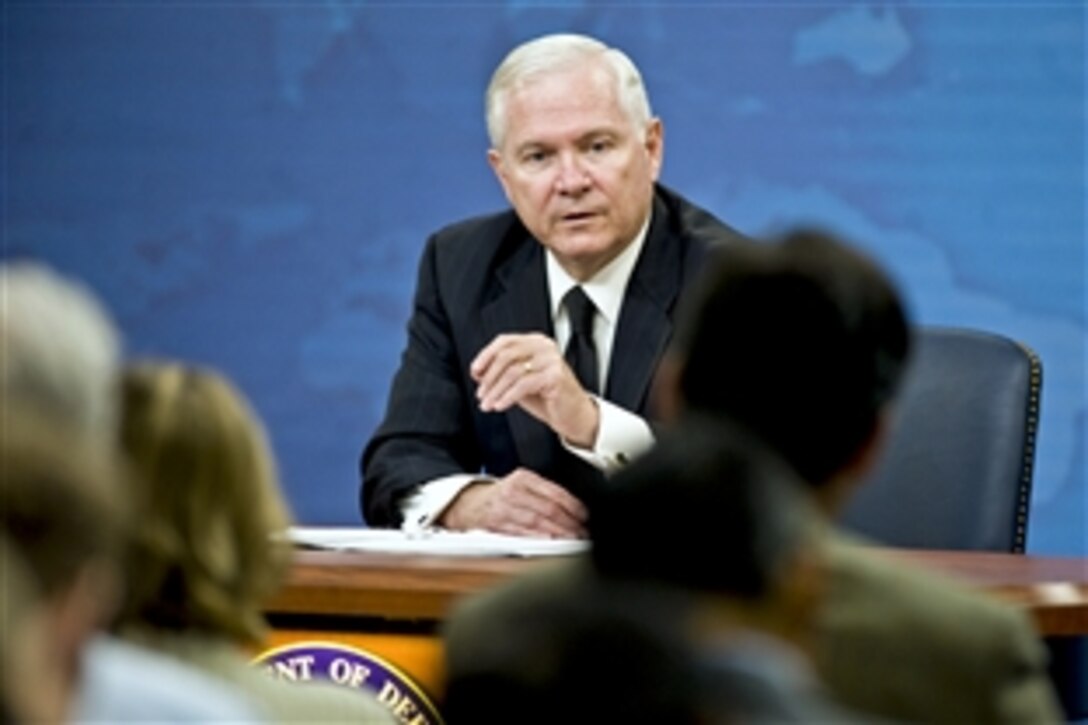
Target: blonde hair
[(208, 548)]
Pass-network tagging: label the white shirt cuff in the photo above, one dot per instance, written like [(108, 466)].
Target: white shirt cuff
[(622, 437), (421, 508)]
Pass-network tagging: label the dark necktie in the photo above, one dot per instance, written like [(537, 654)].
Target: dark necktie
[(581, 353)]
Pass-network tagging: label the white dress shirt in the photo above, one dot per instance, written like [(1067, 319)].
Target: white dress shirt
[(621, 435)]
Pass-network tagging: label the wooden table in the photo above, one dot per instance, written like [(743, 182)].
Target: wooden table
[(418, 589), (1053, 590), (392, 604)]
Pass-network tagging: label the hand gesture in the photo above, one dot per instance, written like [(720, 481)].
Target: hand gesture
[(528, 370), (522, 503)]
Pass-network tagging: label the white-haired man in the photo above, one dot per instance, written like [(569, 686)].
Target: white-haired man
[(536, 332)]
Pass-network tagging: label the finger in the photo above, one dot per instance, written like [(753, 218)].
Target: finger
[(516, 382), (482, 361), (505, 365), (550, 521), (526, 523), (515, 373), (508, 349), (501, 349), (528, 502), (544, 501), (555, 495)]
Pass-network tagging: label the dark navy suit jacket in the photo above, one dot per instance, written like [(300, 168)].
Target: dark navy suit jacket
[(486, 276)]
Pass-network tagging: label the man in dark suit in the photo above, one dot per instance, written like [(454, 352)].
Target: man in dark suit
[(536, 332)]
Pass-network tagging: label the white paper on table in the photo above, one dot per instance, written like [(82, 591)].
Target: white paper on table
[(431, 541)]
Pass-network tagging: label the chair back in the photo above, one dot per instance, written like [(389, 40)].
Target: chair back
[(956, 471)]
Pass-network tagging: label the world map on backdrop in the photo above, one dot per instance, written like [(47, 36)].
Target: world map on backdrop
[(249, 185)]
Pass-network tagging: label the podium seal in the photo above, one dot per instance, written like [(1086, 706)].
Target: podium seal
[(354, 668)]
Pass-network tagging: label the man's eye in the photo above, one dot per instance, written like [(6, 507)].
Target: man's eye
[(600, 146), (534, 158)]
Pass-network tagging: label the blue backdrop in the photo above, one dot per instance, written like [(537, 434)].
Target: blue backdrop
[(249, 184)]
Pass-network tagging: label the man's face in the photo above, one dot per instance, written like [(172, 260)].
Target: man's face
[(575, 168)]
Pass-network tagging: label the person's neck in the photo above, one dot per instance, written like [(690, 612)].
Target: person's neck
[(582, 271), (831, 495)]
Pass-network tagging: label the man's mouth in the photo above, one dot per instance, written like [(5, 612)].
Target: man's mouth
[(575, 217)]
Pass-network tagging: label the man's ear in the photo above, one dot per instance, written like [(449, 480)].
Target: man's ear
[(867, 455), (665, 392), (495, 161), (837, 492), (654, 144)]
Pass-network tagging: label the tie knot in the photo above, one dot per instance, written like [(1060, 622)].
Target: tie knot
[(580, 309)]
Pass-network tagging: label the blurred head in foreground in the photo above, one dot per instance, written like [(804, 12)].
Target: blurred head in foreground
[(601, 656), (63, 517), (696, 547), (208, 548), (61, 350), (713, 512), (802, 340)]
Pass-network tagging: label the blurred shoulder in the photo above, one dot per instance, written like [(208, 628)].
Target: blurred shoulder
[(903, 641), (511, 604), (168, 689), (860, 573)]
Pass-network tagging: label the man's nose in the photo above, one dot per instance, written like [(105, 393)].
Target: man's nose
[(572, 178)]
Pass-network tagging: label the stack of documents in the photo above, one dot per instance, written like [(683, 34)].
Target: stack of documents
[(431, 541)]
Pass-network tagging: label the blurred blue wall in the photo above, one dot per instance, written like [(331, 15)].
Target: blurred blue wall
[(249, 185)]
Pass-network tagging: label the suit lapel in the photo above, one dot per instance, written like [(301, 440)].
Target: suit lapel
[(520, 304), (645, 325)]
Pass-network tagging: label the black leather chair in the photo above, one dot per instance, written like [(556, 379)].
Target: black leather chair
[(956, 471)]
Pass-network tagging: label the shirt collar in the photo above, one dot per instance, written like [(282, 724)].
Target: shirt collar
[(607, 287)]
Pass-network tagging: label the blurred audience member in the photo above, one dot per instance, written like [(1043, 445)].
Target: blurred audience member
[(803, 341), (696, 604), (32, 681), (61, 351), (596, 654), (62, 513), (208, 548), (711, 487), (62, 509)]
